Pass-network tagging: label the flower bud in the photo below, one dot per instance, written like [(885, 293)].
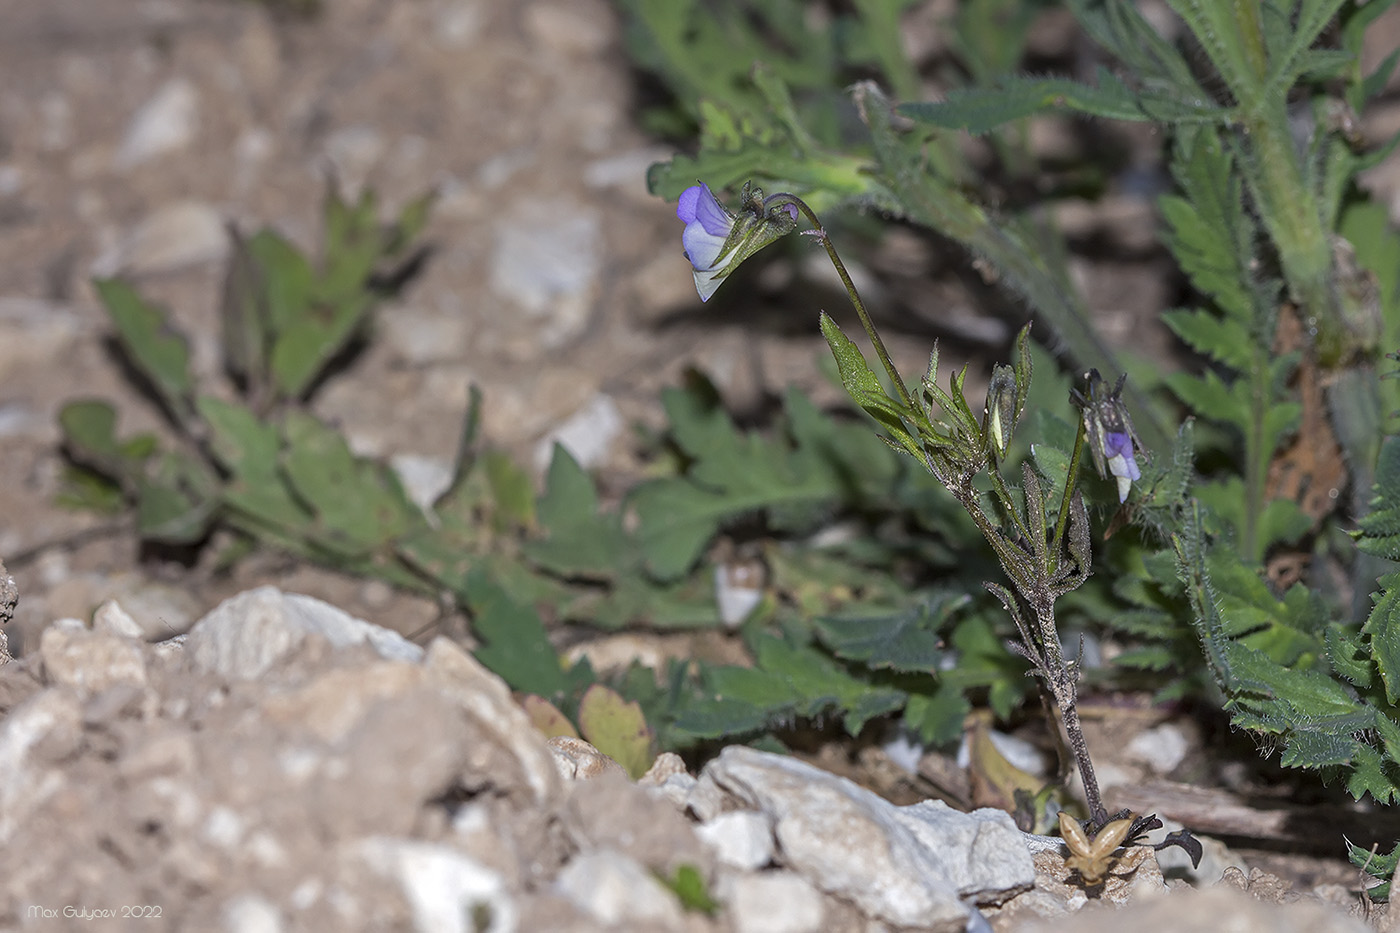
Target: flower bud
[(999, 419)]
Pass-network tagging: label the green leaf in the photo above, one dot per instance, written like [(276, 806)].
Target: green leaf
[(689, 887), (1376, 864), (1347, 656), (906, 641), (242, 443), (793, 484), (1225, 340), (286, 279), (616, 728), (579, 540), (358, 504), (1053, 464), (1383, 629), (302, 349), (89, 436), (865, 390), (243, 315), (937, 716), (152, 343), (1379, 529), (511, 490), (177, 502), (514, 643), (786, 681), (410, 224), (82, 489), (981, 110), (250, 450)]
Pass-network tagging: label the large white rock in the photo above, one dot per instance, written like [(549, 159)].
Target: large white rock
[(842, 838), (245, 635), (981, 852)]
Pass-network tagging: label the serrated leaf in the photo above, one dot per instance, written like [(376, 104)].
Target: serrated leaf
[(1209, 393), (787, 681), (732, 475), (981, 110), (1379, 529), (1383, 630), (617, 728), (1374, 775), (1347, 656), (578, 539), (1224, 339), (1376, 864), (906, 641)]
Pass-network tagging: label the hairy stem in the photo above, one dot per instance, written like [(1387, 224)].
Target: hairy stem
[(819, 232), (1062, 681)]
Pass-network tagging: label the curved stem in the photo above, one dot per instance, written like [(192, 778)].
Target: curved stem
[(819, 232)]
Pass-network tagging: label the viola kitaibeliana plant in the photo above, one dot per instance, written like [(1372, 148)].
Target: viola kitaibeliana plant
[(1039, 529)]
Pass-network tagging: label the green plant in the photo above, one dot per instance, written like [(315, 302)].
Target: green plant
[(1296, 274), (1039, 531)]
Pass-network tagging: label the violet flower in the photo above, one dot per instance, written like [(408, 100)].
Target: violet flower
[(1122, 465), (717, 240), (1112, 441)]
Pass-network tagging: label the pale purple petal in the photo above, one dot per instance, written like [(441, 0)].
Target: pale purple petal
[(707, 227), (708, 280), (1119, 450), (701, 248), (698, 204), (1122, 464)]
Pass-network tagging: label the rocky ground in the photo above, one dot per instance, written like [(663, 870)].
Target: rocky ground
[(286, 766)]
